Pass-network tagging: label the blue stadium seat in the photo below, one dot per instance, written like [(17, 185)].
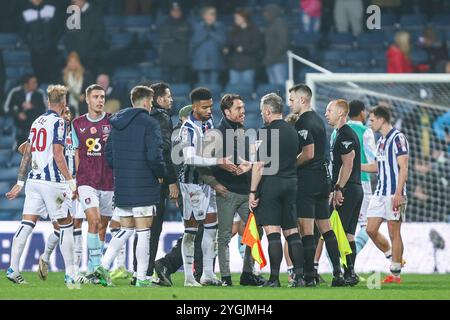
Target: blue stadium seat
[(17, 58), (358, 58), (252, 106), (338, 40), (180, 89), (137, 23), (15, 160), (8, 174), (266, 88), (15, 205), (121, 39), (8, 40), (440, 20), (113, 23), (180, 101), (419, 56), (5, 156), (127, 73), (245, 90), (302, 39), (152, 73), (7, 141), (377, 70), (372, 40), (333, 57), (413, 21), (4, 187), (388, 20)]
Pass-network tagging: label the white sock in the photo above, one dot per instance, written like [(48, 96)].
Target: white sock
[(208, 245), (114, 246), (187, 252), (51, 244), (388, 254), (142, 252), (119, 262), (66, 246), (77, 248), (396, 268), (19, 241)]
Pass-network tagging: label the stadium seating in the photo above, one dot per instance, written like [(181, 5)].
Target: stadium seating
[(245, 90), (7, 141), (121, 39), (265, 88), (113, 23), (9, 40), (372, 40), (338, 40), (5, 156), (19, 58), (358, 58), (440, 20), (419, 56), (8, 174), (416, 21), (137, 23)]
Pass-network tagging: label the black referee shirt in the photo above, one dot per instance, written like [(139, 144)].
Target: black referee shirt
[(346, 141), (311, 130), (287, 145)]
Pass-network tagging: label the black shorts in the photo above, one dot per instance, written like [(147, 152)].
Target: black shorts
[(313, 195), (350, 209), (277, 202)]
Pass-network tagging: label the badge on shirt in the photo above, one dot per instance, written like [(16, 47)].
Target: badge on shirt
[(303, 134), (346, 144)]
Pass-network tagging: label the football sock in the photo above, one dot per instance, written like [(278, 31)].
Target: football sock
[(208, 246), (296, 254), (187, 251), (310, 251), (94, 250), (361, 239), (275, 255), (333, 251), (51, 244), (66, 246), (19, 241), (77, 248), (142, 252), (116, 243)]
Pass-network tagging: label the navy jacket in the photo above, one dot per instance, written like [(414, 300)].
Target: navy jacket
[(134, 151)]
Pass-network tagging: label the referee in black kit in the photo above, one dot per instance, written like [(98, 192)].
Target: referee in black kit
[(273, 190), (346, 178), (313, 184)]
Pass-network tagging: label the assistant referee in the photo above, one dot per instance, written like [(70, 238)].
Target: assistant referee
[(274, 195)]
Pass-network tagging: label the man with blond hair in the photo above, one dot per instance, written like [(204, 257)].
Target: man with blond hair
[(48, 180)]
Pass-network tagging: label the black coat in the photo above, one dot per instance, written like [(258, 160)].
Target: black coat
[(237, 184), (134, 151), (165, 123), (40, 27), (175, 37), (251, 41)]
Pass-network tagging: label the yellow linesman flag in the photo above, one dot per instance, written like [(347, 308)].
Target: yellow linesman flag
[(341, 236), (251, 238)]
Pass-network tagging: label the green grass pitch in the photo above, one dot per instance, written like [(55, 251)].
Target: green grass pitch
[(414, 286)]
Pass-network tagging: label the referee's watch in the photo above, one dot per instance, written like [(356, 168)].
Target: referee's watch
[(338, 188)]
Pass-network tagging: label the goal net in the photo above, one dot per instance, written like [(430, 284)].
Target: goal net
[(420, 104)]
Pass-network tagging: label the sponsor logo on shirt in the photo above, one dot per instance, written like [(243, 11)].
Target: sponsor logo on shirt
[(346, 144), (303, 134)]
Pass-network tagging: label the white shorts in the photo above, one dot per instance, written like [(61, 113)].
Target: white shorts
[(137, 212), (47, 199), (381, 207), (115, 217), (79, 212), (367, 188), (198, 200), (91, 198)]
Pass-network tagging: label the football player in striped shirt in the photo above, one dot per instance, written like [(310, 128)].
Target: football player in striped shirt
[(50, 186), (389, 201)]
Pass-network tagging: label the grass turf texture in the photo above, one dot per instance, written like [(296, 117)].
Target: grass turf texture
[(421, 287)]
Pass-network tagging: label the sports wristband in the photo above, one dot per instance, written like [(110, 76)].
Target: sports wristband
[(72, 185), (20, 183)]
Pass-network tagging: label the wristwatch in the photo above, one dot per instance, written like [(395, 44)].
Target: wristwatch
[(338, 188), (253, 191)]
